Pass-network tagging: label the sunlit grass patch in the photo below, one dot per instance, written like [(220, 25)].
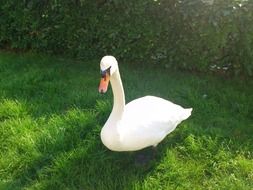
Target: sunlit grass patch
[(11, 109)]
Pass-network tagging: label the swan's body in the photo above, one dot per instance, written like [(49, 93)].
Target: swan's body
[(142, 122)]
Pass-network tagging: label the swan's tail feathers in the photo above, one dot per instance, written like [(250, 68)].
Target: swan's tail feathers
[(187, 113)]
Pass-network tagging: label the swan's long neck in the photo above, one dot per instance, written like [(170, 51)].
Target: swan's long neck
[(118, 96), (110, 135)]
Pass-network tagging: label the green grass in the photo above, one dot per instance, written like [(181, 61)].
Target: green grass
[(51, 115)]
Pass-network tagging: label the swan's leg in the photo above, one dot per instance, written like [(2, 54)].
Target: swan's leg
[(154, 151), (145, 156)]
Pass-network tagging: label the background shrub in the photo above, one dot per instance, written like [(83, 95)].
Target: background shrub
[(207, 35)]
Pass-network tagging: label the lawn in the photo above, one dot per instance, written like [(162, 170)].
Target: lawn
[(51, 115)]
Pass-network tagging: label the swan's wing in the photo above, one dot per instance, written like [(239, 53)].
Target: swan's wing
[(150, 119), (155, 109)]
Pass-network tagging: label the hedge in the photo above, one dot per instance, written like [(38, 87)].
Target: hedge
[(207, 35)]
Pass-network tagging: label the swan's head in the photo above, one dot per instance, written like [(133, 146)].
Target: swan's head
[(108, 66)]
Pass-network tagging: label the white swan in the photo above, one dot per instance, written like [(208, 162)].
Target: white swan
[(141, 123)]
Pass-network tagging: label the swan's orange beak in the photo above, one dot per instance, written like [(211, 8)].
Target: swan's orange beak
[(104, 83)]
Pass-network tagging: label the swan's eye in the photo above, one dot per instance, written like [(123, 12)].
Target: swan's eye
[(103, 73)]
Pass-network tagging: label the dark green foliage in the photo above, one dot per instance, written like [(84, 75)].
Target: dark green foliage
[(185, 34)]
